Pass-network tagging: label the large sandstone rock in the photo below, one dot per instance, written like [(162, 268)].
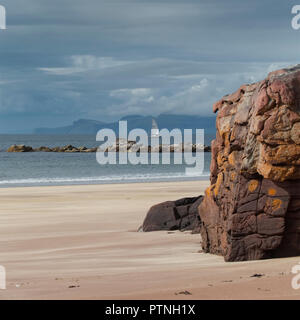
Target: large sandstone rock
[(252, 208), (174, 215)]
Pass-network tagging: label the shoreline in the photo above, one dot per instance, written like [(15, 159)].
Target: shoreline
[(74, 242), (104, 182)]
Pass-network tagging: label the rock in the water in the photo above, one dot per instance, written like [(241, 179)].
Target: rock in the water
[(252, 208), (69, 148), (89, 150), (43, 149), (174, 215), (19, 148)]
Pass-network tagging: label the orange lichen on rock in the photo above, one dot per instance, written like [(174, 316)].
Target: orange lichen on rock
[(272, 192), (253, 185), (218, 183), (276, 204)]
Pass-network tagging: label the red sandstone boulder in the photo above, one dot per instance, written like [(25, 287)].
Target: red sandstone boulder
[(252, 208)]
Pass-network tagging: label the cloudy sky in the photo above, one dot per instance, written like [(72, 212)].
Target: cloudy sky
[(62, 60)]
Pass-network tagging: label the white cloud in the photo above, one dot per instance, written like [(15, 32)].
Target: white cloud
[(187, 93), (277, 66), (137, 92), (84, 63), (61, 71), (132, 100), (90, 62)]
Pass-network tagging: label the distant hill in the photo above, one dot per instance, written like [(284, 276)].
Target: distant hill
[(82, 126), (167, 121)]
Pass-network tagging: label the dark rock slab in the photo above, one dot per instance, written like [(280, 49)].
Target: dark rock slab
[(181, 215)]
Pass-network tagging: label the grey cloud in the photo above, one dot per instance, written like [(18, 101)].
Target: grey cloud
[(61, 60)]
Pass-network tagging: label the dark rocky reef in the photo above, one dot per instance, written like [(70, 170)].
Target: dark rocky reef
[(252, 208), (68, 148), (129, 146), (20, 148), (174, 215)]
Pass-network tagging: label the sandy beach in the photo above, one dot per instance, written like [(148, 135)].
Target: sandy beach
[(81, 242)]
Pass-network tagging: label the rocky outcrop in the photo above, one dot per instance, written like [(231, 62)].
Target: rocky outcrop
[(129, 146), (68, 148), (19, 148), (132, 146), (252, 208), (43, 149), (174, 215)]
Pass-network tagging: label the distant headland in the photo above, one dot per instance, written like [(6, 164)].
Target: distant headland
[(168, 121)]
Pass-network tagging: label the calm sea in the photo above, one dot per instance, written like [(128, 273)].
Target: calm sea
[(41, 169)]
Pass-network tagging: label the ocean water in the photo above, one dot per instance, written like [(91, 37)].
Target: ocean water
[(42, 169)]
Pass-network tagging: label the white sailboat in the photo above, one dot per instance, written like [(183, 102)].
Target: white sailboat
[(154, 130)]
